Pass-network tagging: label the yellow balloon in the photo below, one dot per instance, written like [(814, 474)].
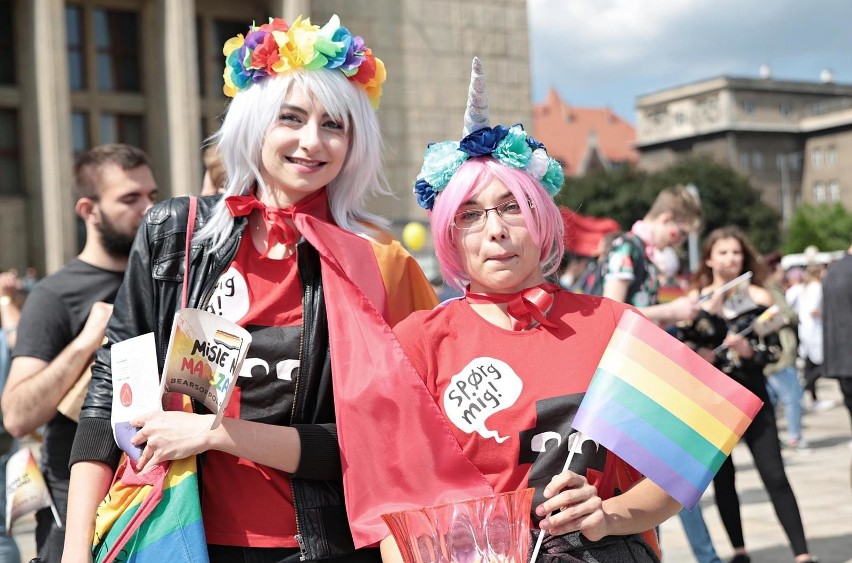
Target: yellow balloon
[(414, 236)]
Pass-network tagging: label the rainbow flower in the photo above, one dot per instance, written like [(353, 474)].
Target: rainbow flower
[(276, 48)]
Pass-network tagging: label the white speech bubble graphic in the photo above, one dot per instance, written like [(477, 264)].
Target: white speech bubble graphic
[(483, 387), (230, 299)]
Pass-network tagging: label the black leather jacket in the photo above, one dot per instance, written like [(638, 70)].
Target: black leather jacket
[(147, 302)]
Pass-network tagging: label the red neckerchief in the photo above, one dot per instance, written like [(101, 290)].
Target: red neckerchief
[(525, 307), (278, 221)]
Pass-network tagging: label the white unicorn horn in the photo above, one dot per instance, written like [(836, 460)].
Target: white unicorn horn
[(476, 113)]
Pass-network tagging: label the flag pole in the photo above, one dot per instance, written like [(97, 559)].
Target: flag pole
[(574, 447)]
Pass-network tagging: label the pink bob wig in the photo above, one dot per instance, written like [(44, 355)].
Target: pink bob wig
[(540, 213)]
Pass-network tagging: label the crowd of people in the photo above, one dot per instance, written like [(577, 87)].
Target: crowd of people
[(281, 212)]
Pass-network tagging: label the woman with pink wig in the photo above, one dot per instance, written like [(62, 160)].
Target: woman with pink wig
[(508, 363)]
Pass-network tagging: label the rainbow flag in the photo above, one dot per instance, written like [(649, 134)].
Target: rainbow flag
[(663, 409), (153, 517)]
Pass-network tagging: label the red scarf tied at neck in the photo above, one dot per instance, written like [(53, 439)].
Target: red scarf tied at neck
[(278, 221), (526, 307)]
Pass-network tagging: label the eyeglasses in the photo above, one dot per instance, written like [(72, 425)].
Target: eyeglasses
[(474, 219)]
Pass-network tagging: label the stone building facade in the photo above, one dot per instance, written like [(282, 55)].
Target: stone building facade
[(77, 73), (773, 131)]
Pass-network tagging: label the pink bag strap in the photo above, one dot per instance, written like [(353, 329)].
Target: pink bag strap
[(190, 227)]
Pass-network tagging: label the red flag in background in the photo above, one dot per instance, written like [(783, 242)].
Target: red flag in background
[(394, 441), (583, 233)]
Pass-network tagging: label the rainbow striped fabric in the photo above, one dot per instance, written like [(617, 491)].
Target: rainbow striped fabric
[(663, 409), (152, 518)]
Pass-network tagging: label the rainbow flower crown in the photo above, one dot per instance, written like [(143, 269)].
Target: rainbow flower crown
[(276, 48), (510, 146)]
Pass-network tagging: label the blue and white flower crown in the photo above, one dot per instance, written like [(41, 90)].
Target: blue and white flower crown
[(510, 146)]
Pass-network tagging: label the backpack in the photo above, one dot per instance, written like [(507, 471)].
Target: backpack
[(594, 283)]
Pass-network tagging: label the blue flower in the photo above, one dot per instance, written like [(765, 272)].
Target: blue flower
[(343, 36), (534, 143), (440, 162), (484, 141), (425, 194)]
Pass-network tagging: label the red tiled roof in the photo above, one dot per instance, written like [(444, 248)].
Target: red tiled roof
[(565, 130)]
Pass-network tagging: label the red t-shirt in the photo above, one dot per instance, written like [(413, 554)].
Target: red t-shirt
[(246, 503), (510, 396)]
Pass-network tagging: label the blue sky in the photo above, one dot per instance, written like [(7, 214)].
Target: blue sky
[(608, 52)]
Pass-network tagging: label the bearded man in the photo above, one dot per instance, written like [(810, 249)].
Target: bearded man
[(66, 313)]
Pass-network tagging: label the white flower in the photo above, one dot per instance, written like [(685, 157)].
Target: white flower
[(537, 165)]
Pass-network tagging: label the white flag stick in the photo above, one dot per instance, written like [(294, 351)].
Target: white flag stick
[(744, 332), (734, 282), (574, 447)]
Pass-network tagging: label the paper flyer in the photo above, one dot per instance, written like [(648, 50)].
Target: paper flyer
[(204, 358), (135, 388), (26, 490)]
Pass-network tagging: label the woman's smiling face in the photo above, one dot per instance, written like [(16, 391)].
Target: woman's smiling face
[(305, 148)]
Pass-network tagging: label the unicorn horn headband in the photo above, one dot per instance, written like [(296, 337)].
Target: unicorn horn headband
[(476, 112), (511, 146)]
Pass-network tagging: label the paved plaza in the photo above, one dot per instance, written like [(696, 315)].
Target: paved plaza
[(821, 478)]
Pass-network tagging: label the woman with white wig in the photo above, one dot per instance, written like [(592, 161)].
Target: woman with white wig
[(302, 150)]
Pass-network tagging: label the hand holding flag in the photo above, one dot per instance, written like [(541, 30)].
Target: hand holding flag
[(771, 320)]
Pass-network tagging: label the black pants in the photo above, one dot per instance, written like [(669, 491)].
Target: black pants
[(846, 389), (812, 373), (50, 538), (232, 554), (762, 439)]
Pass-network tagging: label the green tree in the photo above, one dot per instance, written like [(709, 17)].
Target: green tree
[(828, 227), (627, 193), (624, 194), (727, 199)]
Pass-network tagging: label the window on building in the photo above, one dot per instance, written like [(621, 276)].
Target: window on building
[(817, 158), (74, 47), (10, 171), (748, 107), (118, 53), (121, 128), (80, 135), (680, 118), (745, 160), (104, 60), (7, 43), (819, 192), (831, 156), (757, 160), (834, 191), (785, 108)]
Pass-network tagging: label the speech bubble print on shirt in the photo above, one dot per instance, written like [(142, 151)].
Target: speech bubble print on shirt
[(483, 387), (230, 298)]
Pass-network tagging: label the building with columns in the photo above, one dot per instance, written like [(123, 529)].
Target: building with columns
[(78, 73)]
